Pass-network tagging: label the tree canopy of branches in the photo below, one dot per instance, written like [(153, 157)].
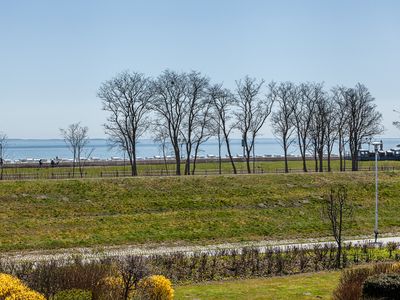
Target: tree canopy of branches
[(127, 98), (170, 102), (285, 95), (185, 109), (223, 103), (76, 137), (304, 111), (195, 130), (363, 119), (253, 111)]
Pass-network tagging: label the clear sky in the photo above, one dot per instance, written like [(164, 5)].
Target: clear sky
[(55, 54)]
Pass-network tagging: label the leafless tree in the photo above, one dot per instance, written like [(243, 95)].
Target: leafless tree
[(336, 208), (363, 120), (76, 137), (318, 127), (3, 144), (254, 109), (341, 122), (284, 95), (131, 269), (223, 102), (127, 98), (331, 128), (162, 138), (203, 131), (197, 106), (170, 104), (304, 111)]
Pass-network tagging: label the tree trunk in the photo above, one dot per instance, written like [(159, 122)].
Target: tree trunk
[(285, 154), (228, 148), (248, 161)]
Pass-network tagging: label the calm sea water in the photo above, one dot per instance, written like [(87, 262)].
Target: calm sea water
[(19, 149)]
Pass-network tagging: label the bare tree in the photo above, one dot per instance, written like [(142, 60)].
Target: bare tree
[(341, 117), (223, 102), (76, 137), (161, 137), (194, 125), (170, 104), (131, 269), (254, 110), (284, 94), (127, 98), (319, 128), (363, 120), (3, 144), (336, 208), (203, 131), (304, 111), (331, 125)]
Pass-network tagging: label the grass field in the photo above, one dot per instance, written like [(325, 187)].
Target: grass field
[(201, 168), (48, 214), (304, 286)]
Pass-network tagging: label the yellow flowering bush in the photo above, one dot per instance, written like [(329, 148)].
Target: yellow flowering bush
[(110, 288), (12, 288), (156, 287), (396, 267)]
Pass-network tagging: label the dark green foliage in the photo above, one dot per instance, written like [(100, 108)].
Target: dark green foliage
[(386, 286)]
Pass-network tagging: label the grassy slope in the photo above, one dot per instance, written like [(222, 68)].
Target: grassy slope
[(303, 286), (52, 214)]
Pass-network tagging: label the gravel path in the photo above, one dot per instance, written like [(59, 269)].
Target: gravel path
[(147, 250)]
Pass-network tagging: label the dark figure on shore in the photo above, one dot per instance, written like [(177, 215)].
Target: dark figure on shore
[(52, 163), (40, 163), (1, 161)]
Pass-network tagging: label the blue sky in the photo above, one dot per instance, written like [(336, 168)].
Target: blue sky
[(55, 54)]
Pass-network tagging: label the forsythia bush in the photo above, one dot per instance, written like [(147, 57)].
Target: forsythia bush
[(156, 287), (12, 288), (110, 288)]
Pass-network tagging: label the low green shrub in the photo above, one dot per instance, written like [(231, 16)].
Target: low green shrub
[(73, 294), (379, 286)]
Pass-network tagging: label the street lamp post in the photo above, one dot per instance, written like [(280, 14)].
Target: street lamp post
[(376, 147)]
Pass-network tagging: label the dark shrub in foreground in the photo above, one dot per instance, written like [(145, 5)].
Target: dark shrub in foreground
[(351, 282), (380, 286)]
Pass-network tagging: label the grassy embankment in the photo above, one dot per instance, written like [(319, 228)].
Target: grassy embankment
[(303, 286), (48, 214)]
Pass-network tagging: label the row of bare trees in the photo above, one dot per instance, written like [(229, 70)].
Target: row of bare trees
[(184, 110), (316, 120)]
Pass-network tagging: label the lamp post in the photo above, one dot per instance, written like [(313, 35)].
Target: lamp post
[(377, 145)]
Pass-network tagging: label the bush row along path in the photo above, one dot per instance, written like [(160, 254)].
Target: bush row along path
[(90, 254)]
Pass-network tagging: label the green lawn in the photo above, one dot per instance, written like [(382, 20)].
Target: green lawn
[(296, 287), (48, 214), (203, 168)]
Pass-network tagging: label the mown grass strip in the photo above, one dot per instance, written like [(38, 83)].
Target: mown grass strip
[(303, 286)]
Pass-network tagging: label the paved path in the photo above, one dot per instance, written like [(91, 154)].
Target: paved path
[(147, 250)]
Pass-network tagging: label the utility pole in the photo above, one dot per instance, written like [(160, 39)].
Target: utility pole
[(377, 145)]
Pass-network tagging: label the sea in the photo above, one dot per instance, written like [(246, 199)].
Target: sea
[(47, 149)]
